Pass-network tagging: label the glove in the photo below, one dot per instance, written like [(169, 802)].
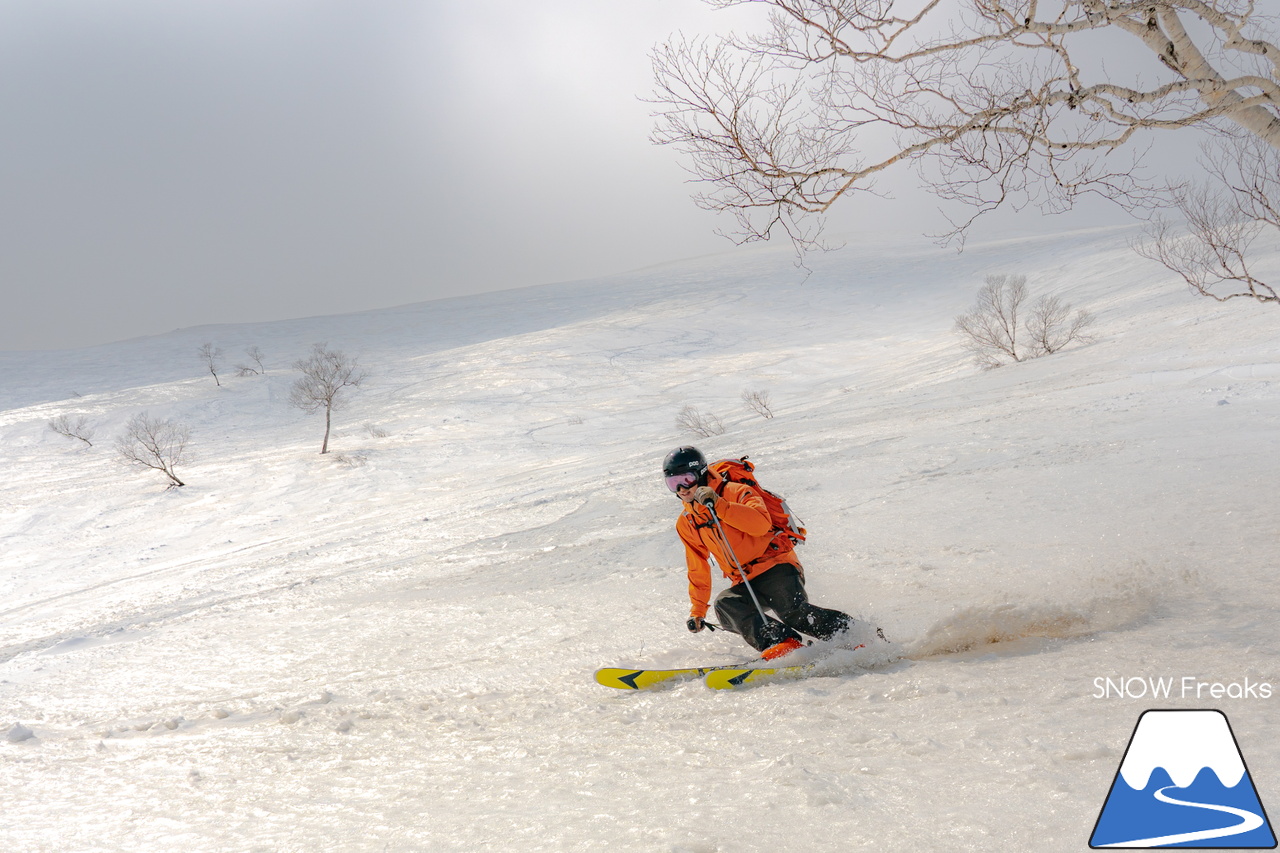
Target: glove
[(706, 496), (694, 624)]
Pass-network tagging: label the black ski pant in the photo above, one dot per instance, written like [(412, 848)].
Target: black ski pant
[(780, 589)]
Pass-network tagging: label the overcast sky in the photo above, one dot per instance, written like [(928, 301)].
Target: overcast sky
[(172, 163)]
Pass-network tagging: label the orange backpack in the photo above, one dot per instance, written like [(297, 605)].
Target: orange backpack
[(786, 527)]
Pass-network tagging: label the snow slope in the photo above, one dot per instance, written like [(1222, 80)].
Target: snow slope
[(391, 647)]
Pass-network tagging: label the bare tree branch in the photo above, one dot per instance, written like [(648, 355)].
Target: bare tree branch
[(994, 102), (77, 428)]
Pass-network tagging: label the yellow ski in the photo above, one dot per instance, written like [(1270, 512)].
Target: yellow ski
[(638, 679), (727, 679)]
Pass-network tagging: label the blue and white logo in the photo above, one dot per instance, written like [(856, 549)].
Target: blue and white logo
[(1183, 783)]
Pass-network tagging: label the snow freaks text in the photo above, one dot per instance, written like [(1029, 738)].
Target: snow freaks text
[(1172, 687)]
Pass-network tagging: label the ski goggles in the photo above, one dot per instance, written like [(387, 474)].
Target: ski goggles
[(682, 481)]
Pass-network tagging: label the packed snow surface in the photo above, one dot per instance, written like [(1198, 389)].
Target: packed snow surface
[(391, 646)]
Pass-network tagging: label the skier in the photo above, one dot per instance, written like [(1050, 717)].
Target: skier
[(716, 510)]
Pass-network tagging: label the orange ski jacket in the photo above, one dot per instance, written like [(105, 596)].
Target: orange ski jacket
[(747, 525)]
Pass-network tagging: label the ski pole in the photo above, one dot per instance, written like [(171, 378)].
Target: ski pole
[(742, 573)]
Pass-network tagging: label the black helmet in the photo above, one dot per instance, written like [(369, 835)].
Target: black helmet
[(686, 460)]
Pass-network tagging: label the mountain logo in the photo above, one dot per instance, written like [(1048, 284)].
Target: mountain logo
[(1183, 783)]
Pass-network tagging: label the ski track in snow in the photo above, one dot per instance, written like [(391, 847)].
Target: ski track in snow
[(391, 648)]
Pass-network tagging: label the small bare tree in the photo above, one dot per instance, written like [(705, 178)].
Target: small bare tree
[(1051, 326), (256, 356), (211, 355), (326, 374), (694, 421), (77, 428), (1001, 327), (991, 327), (758, 402), (156, 443)]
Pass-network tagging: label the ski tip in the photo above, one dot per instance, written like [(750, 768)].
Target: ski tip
[(621, 678)]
